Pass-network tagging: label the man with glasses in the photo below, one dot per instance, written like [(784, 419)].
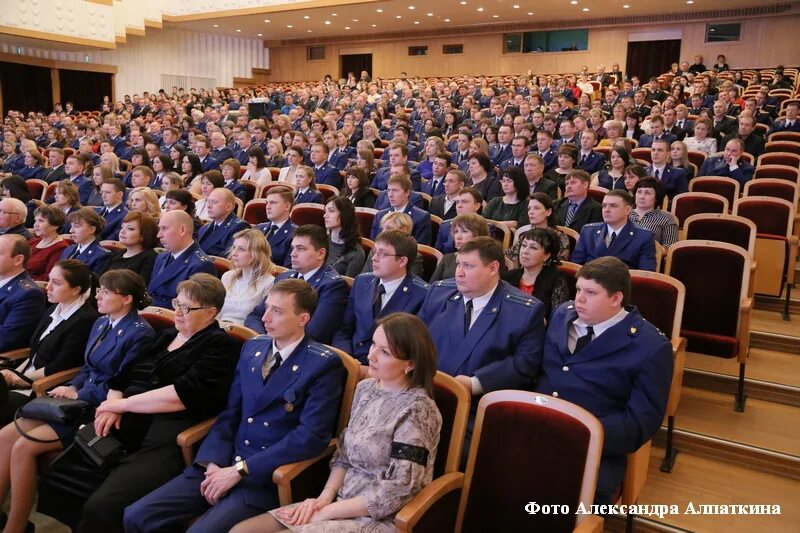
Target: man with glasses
[(390, 288), (182, 258)]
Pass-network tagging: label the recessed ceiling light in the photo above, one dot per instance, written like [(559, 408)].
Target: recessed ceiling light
[(334, 14), (327, 22), (447, 20), (480, 9), (260, 34), (347, 27), (306, 17), (308, 31), (495, 16), (412, 8), (416, 22), (267, 20), (463, 3), (238, 31), (430, 14), (530, 13), (216, 25), (626, 6), (374, 25), (379, 10), (515, 6), (398, 16), (586, 9), (690, 1)]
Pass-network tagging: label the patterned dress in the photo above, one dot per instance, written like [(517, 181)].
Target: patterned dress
[(388, 450)]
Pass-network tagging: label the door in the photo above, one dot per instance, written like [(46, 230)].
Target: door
[(355, 63), (652, 58)]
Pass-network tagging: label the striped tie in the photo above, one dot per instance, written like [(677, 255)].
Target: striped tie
[(573, 208)]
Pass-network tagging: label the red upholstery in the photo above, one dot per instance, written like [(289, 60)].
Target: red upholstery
[(365, 219), (656, 301), (642, 153), (782, 146), (770, 218), (780, 158), (36, 188), (569, 275), (268, 186), (523, 449), (308, 214), (696, 157), (780, 172), (691, 205), (221, 265), (255, 212), (429, 262), (156, 321), (251, 189), (711, 311), (447, 403), (721, 187), (781, 190), (596, 194), (721, 230)]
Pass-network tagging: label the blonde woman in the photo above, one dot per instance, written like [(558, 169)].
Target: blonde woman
[(111, 160), (169, 182), (248, 283), (144, 200)]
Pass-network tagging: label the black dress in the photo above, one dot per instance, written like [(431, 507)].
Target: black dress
[(141, 263), (201, 371)]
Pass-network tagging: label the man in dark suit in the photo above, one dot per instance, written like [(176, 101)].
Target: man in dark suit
[(544, 148), (216, 237), (730, 165), (791, 122), (657, 133), (282, 408), (435, 185), (444, 205), (202, 148), (310, 247), (589, 160), (674, 180), (501, 151), (534, 171), (576, 209), (113, 211), (398, 163), (722, 124), (324, 172), (182, 258), (57, 170), (22, 302), (616, 236), (13, 213), (399, 192), (219, 151), (279, 229), (623, 379), (390, 288), (519, 149), (753, 142), (74, 169)]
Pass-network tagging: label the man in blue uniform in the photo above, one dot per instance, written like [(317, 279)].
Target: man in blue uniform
[(623, 379), (399, 192), (390, 288), (74, 168), (310, 247), (616, 236), (324, 172), (730, 165), (280, 229), (113, 211), (216, 237), (86, 226), (282, 408), (488, 334), (469, 200), (202, 147), (674, 180), (219, 151), (182, 258), (22, 302)]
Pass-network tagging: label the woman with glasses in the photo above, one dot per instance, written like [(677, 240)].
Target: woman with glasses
[(115, 342), (181, 379)]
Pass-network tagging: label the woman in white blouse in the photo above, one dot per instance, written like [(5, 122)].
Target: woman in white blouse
[(701, 142), (294, 159), (250, 279), (210, 181), (256, 170)]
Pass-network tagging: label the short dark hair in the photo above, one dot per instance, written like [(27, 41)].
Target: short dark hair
[(548, 239), (53, 215), (182, 196), (316, 235), (305, 297), (472, 191), (205, 289), (20, 246), (521, 185), (488, 249), (77, 274), (116, 183), (127, 283), (410, 340), (611, 274), (621, 193), (483, 161), (148, 228), (404, 244), (651, 183)]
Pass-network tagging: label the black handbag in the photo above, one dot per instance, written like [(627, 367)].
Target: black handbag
[(52, 410), (103, 452)]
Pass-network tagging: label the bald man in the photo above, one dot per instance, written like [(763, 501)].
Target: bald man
[(182, 258), (12, 218), (219, 150), (216, 237)]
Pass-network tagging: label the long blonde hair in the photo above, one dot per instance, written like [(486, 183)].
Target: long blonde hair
[(258, 246)]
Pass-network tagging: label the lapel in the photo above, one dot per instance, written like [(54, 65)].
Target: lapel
[(613, 339), (10, 286), (398, 300), (465, 344), (89, 253), (286, 375), (174, 268)]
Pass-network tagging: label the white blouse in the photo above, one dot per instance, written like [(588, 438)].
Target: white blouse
[(242, 297)]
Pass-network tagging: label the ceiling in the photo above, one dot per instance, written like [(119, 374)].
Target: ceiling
[(376, 17)]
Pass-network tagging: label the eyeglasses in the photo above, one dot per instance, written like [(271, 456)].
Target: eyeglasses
[(102, 291), (381, 255), (184, 309)]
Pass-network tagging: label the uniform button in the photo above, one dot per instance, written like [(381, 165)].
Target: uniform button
[(247, 442), (565, 368), (263, 447), (237, 458), (266, 424), (250, 420), (555, 395)]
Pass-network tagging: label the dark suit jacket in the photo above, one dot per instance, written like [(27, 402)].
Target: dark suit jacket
[(437, 208), (726, 126), (546, 186), (63, 347), (634, 246), (716, 166), (674, 180), (54, 175), (22, 304), (753, 145), (589, 211)]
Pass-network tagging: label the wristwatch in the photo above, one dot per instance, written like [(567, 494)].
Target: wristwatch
[(241, 468)]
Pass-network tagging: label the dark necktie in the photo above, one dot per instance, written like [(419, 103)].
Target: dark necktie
[(612, 238), (583, 159), (273, 229), (583, 341), (75, 252), (170, 258), (467, 316), (104, 212), (297, 196), (573, 208), (656, 174), (378, 300), (434, 186), (271, 371)]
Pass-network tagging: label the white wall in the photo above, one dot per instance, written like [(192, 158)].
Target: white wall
[(142, 60)]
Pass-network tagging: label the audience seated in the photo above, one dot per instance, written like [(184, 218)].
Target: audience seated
[(648, 195), (138, 234), (730, 164), (216, 237), (401, 222), (310, 246), (387, 451), (511, 208), (13, 213), (576, 209), (444, 205), (231, 478), (623, 380), (16, 187), (357, 189), (346, 255), (144, 200), (673, 180), (279, 229), (116, 341), (399, 191), (85, 228), (230, 172), (249, 281), (47, 246), (463, 228), (181, 258), (324, 172), (616, 236), (305, 187), (113, 211), (469, 200), (22, 302)]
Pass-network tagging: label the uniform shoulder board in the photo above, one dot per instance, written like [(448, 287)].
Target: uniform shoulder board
[(450, 282), (332, 274), (201, 255), (262, 337), (419, 282), (527, 301), (593, 225), (319, 349)]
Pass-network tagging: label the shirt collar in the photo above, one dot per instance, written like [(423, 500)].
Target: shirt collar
[(287, 351), (64, 312), (391, 287), (310, 274), (176, 255), (479, 302), (598, 329), (4, 281)]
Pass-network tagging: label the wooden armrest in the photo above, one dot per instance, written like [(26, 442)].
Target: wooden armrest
[(41, 386), (15, 355), (285, 474), (792, 263), (590, 524), (636, 474), (413, 511), (745, 313), (189, 437), (678, 364)]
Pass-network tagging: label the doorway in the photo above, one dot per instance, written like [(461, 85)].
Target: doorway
[(355, 63), (652, 58)]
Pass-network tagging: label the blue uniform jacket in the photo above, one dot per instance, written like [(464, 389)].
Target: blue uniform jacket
[(238, 190), (634, 246), (381, 179), (209, 163), (332, 292), (311, 196), (382, 202), (716, 166), (290, 418), (222, 154), (550, 159), (674, 180), (422, 230), (328, 174), (163, 285), (94, 256), (280, 242), (85, 189), (646, 141), (118, 348), (426, 187), (622, 377), (497, 154), (217, 241), (503, 349), (594, 162), (355, 334), (444, 240), (22, 305), (113, 221)]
